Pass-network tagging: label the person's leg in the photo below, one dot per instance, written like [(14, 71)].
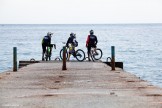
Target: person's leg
[(74, 53), (69, 56), (43, 52), (70, 51), (95, 47), (89, 52)]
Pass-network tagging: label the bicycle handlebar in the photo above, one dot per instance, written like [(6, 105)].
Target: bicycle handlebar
[(63, 42), (52, 45)]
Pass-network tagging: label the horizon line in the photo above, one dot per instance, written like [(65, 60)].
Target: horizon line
[(71, 23)]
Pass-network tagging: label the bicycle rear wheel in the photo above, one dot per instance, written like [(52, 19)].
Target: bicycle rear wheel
[(61, 54), (98, 56), (80, 55)]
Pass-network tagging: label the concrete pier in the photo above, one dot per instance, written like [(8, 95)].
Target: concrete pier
[(82, 85)]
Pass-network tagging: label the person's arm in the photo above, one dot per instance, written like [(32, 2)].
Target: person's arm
[(67, 42), (87, 40), (50, 40), (96, 40), (43, 40)]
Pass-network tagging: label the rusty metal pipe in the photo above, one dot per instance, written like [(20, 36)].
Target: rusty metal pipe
[(64, 58)]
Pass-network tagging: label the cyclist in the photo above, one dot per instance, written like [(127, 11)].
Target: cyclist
[(46, 41), (71, 44), (91, 43)]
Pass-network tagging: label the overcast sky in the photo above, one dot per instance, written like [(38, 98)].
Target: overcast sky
[(80, 11)]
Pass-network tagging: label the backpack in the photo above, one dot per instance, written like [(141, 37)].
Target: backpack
[(75, 43)]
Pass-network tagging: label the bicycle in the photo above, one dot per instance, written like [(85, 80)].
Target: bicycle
[(96, 55), (48, 52), (78, 54)]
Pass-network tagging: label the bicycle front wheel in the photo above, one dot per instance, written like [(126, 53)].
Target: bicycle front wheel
[(80, 55), (98, 54), (61, 54)]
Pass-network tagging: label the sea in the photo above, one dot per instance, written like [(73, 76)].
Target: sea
[(138, 46)]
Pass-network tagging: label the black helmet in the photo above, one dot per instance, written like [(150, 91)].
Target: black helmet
[(71, 34), (91, 32)]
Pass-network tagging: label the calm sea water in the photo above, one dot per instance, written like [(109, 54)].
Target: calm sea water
[(139, 46)]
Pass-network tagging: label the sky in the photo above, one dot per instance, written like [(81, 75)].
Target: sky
[(80, 11)]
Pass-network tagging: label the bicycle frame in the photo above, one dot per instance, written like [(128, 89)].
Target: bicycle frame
[(78, 54), (49, 52)]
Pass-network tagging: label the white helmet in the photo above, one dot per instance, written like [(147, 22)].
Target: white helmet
[(49, 34)]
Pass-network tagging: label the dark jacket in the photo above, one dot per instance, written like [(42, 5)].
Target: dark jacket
[(46, 40), (91, 40)]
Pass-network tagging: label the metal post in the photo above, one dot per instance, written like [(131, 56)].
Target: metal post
[(64, 58), (14, 59), (113, 57)]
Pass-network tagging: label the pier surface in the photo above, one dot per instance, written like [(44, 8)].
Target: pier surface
[(82, 85)]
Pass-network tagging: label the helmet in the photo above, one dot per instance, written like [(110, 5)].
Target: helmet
[(71, 34), (49, 34), (91, 32)]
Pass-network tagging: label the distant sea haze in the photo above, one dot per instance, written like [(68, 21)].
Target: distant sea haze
[(138, 46)]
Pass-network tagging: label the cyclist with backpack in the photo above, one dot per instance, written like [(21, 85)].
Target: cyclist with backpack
[(71, 44)]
